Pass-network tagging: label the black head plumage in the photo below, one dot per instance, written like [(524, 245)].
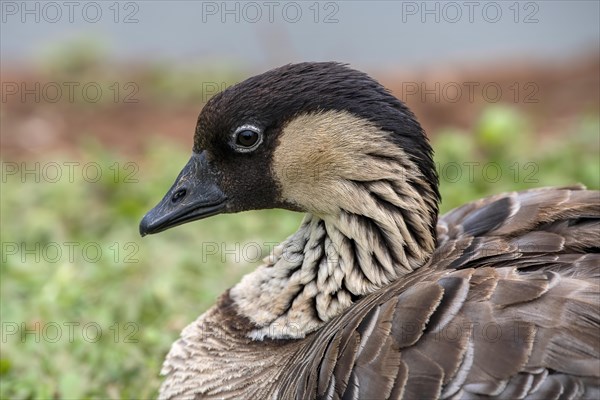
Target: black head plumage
[(271, 99)]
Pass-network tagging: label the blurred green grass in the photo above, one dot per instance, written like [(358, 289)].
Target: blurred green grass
[(132, 301)]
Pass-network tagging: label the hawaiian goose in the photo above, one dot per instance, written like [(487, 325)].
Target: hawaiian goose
[(374, 297)]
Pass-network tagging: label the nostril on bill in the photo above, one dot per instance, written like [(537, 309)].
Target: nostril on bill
[(178, 195)]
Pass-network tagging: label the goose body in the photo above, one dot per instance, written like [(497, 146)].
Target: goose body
[(374, 297)]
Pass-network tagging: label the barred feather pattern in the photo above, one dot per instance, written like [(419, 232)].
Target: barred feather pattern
[(333, 260), (508, 307)]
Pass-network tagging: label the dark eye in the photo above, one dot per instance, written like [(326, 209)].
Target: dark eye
[(247, 138)]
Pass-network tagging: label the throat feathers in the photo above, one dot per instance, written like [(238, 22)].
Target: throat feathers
[(371, 215)]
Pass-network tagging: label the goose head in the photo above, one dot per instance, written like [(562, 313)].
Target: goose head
[(320, 138)]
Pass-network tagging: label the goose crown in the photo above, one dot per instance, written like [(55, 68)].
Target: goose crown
[(306, 137)]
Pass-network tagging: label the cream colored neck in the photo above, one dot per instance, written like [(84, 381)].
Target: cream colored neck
[(330, 262), (370, 222)]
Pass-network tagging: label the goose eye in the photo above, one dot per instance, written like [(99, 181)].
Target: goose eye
[(247, 138)]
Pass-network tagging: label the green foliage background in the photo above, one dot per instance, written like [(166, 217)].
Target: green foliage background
[(141, 293)]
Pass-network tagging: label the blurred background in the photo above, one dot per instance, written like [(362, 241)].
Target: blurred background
[(99, 104)]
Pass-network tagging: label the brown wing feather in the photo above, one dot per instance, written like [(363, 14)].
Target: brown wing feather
[(507, 308)]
